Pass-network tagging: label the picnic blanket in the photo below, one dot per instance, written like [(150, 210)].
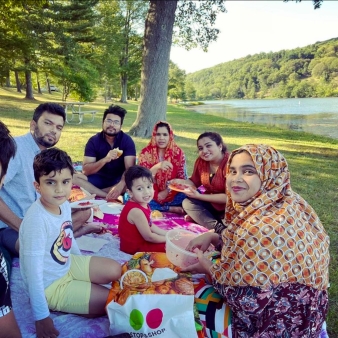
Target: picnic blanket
[(71, 325), (74, 326)]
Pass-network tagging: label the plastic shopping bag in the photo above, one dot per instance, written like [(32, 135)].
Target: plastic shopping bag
[(152, 299), (163, 316)]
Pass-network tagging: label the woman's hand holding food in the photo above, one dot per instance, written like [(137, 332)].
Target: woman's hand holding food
[(199, 245), (192, 192), (165, 165), (203, 265), (202, 242)]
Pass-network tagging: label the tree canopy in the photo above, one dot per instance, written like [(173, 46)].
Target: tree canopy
[(194, 22), (83, 46), (93, 48), (316, 3)]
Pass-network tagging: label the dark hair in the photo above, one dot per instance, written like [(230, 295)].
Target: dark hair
[(217, 138), (163, 124), (136, 171), (116, 110), (7, 149), (52, 108), (52, 159)]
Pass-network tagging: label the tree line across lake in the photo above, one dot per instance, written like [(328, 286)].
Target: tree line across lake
[(310, 71)]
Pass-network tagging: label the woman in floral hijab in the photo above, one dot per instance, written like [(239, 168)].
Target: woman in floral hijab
[(166, 161), (273, 271)]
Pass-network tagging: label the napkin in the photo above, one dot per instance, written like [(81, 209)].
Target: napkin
[(88, 243)]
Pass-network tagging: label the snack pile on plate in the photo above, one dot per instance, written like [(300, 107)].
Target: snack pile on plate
[(179, 186), (87, 203), (156, 214), (76, 195)]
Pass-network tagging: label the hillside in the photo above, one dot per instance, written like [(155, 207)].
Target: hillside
[(310, 71)]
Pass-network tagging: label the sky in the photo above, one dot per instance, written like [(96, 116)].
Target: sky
[(251, 27)]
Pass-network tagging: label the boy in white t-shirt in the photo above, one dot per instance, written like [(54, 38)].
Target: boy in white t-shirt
[(55, 274)]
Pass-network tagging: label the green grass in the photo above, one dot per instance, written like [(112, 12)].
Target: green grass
[(313, 160)]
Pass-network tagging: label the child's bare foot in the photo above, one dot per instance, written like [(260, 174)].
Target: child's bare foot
[(88, 228), (177, 210)]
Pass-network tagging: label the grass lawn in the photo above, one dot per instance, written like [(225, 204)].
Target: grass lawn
[(313, 160)]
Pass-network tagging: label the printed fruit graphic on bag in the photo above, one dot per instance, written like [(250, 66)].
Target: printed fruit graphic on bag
[(160, 260)]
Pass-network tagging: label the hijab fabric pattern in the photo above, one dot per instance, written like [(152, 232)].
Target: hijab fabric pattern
[(173, 154), (274, 237)]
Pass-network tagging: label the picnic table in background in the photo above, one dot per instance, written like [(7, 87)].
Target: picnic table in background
[(74, 109)]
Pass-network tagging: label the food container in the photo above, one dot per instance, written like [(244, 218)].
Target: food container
[(176, 242), (134, 279)]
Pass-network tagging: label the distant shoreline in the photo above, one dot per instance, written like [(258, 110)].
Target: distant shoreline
[(317, 116)]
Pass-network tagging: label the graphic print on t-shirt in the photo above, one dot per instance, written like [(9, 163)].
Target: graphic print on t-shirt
[(5, 300), (60, 249)]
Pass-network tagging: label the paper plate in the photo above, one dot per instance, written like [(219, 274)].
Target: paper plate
[(92, 244), (86, 204), (111, 208)]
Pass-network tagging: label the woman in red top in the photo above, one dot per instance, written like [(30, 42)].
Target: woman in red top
[(207, 208), (166, 161)]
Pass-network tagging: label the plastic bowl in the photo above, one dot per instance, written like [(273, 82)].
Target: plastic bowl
[(176, 242)]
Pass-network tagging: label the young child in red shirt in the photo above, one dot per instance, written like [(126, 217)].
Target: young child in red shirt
[(136, 232)]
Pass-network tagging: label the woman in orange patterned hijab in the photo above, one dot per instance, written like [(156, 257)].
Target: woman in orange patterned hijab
[(166, 160), (273, 271)]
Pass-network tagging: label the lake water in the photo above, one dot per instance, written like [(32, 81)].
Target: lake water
[(313, 115)]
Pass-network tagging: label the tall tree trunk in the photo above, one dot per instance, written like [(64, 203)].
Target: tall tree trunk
[(29, 85), (125, 58), (65, 91), (38, 82), (17, 81), (155, 67), (48, 86), (109, 95), (124, 87), (136, 94), (8, 79)]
